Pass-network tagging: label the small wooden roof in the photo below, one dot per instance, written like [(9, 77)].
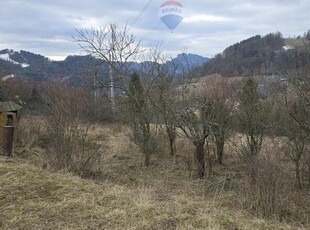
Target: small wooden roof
[(9, 106)]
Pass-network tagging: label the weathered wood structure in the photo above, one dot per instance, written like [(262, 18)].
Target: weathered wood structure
[(9, 116)]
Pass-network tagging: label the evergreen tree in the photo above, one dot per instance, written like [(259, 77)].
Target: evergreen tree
[(140, 116), (253, 119)]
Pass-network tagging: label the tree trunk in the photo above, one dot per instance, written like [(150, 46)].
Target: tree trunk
[(147, 144), (147, 153), (219, 149), (209, 161), (252, 170), (147, 159), (255, 144), (297, 174), (200, 158), (171, 132), (172, 145), (309, 173)]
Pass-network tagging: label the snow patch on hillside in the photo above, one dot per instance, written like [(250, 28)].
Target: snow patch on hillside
[(6, 57), (7, 77), (287, 48)]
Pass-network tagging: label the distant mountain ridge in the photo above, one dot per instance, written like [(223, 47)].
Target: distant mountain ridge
[(184, 62), (257, 55), (40, 68)]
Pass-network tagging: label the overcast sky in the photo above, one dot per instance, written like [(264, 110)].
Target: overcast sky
[(209, 26)]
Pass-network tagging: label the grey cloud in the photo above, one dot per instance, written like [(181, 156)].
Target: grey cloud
[(47, 26)]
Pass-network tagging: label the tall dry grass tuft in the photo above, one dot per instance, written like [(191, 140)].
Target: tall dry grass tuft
[(32, 132), (159, 141), (185, 157), (31, 139)]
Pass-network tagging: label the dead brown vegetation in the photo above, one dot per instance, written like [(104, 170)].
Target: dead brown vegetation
[(169, 186)]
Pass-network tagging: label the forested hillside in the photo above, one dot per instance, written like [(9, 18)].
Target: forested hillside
[(254, 56)]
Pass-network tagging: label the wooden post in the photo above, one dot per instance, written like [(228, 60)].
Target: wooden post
[(7, 140)]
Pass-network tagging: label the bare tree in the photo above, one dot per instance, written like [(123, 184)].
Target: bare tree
[(296, 149), (220, 95), (193, 118), (296, 72), (166, 101), (118, 49), (111, 44), (168, 112), (115, 48)]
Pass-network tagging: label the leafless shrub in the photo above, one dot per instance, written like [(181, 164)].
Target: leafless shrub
[(18, 89), (296, 151), (71, 148), (268, 196)]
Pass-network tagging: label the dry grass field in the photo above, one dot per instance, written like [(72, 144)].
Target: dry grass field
[(124, 195)]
